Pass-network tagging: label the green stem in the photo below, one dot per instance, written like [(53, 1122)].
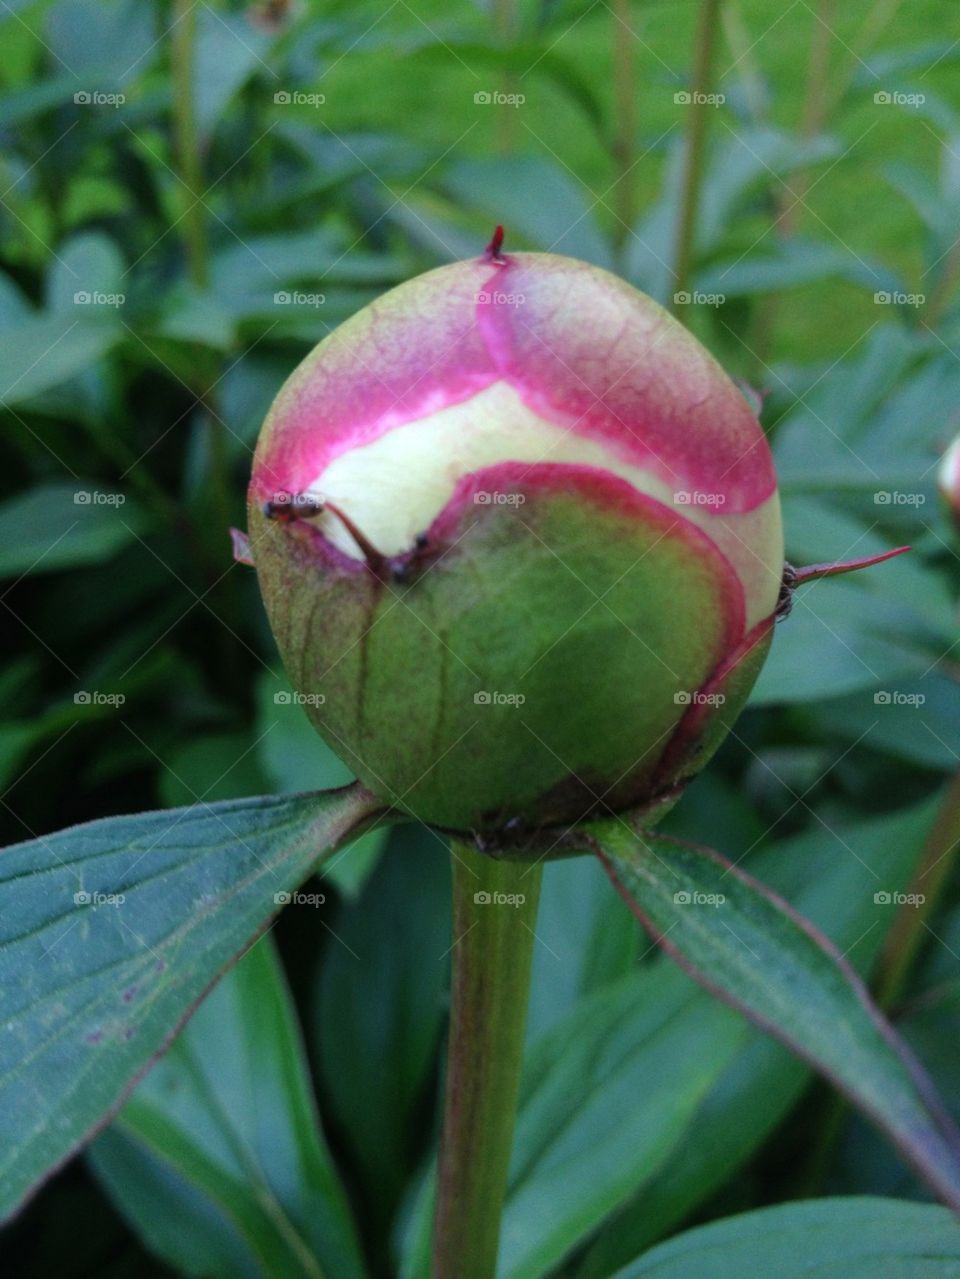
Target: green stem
[(815, 107), (703, 51), (505, 27), (624, 102), (826, 83), (943, 292), (493, 946), (183, 41), (742, 47), (183, 38), (790, 196)]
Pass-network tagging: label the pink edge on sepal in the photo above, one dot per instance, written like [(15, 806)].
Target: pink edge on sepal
[(604, 490), (692, 725), (813, 572), (242, 551)]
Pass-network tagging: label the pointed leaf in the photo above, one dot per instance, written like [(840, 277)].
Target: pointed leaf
[(855, 1238), (111, 933), (748, 946), (218, 1159)]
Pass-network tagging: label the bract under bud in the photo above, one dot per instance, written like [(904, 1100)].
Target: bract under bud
[(518, 536)]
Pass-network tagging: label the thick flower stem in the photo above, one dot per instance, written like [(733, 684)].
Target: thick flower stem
[(494, 913)]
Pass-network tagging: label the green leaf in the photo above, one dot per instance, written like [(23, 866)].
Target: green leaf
[(744, 160), (249, 274), (89, 263), (519, 56), (741, 162), (831, 876), (218, 1160), (45, 350), (792, 263), (747, 946), (855, 1238), (212, 766), (819, 529), (874, 69), (873, 425), (536, 198), (229, 50), (840, 637), (62, 525), (916, 721), (598, 1119), (620, 1038), (102, 41), (380, 1008), (23, 104), (294, 758), (587, 941), (93, 987)]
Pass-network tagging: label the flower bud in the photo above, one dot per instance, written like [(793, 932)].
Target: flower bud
[(948, 481), (519, 540)]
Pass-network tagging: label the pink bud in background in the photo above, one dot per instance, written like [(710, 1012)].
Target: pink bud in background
[(948, 480)]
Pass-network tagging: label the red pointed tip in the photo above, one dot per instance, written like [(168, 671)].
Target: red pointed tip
[(241, 547), (814, 571), (493, 249)]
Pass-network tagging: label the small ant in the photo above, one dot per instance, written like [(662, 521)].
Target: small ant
[(788, 585), (404, 567), (286, 506)]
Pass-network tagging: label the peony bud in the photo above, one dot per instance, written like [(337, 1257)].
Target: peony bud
[(948, 480), (519, 540)]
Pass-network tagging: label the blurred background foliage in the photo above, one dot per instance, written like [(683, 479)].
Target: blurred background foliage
[(191, 195)]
